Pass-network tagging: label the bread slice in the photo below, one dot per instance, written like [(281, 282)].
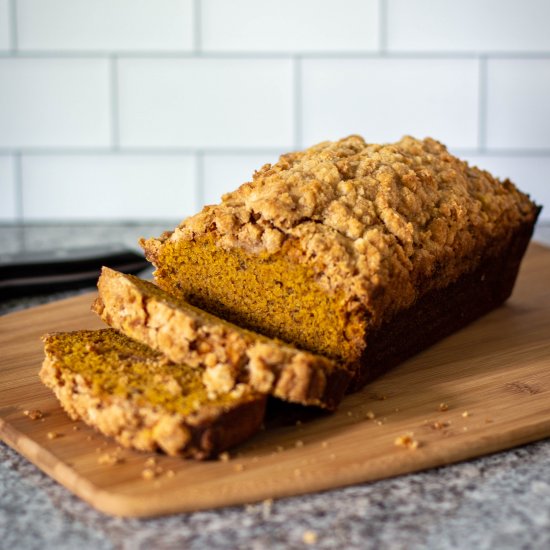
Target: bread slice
[(229, 354), (361, 252), (143, 400)]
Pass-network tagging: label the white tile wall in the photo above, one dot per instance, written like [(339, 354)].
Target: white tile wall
[(384, 99), (289, 25), (8, 207), (468, 25), (108, 187), (225, 172), (205, 103), (515, 87), (54, 103), (529, 173), (5, 34), (119, 97), (105, 25)]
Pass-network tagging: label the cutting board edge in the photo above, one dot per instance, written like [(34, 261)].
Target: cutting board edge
[(122, 505)]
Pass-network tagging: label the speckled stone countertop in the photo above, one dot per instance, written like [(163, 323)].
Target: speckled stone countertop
[(500, 501)]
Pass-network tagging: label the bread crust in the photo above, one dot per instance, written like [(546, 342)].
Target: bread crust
[(229, 354), (88, 370)]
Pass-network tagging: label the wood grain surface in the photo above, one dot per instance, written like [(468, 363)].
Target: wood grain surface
[(494, 377)]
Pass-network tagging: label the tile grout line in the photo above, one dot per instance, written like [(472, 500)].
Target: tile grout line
[(482, 105), (382, 27), (350, 54), (297, 100), (199, 180), (18, 175), (113, 84), (13, 27), (197, 27)]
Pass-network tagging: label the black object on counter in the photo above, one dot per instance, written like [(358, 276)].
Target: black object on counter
[(45, 271)]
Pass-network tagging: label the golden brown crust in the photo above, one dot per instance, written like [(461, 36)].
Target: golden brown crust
[(229, 354), (376, 221), (135, 395)]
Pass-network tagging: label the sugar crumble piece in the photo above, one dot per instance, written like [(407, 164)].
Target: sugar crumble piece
[(53, 435), (309, 537), (224, 457), (34, 414), (465, 414), (407, 441), (443, 407)]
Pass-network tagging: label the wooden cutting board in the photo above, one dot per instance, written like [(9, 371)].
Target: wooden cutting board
[(494, 377)]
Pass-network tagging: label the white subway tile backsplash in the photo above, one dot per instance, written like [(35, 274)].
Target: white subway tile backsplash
[(518, 103), (529, 174), (383, 99), (5, 35), (108, 187), (54, 103), (289, 25), (99, 25), (205, 103), (8, 202), (225, 172), (468, 25)]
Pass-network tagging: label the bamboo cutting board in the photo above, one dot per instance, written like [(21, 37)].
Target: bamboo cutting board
[(493, 377)]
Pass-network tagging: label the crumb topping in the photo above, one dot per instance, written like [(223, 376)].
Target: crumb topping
[(366, 215)]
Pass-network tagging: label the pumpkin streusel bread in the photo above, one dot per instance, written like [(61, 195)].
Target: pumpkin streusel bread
[(142, 399), (364, 253), (228, 354)]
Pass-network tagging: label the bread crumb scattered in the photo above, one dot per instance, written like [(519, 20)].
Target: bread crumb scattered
[(147, 474), (349, 413), (324, 444), (465, 429), (298, 422), (53, 435), (170, 473), (370, 415), (75, 428), (407, 441), (33, 414), (309, 537), (238, 467), (299, 443), (297, 472), (465, 414), (224, 457), (440, 425), (109, 459), (150, 462), (266, 507), (280, 448), (443, 407)]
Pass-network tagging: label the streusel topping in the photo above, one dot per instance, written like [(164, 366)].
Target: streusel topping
[(376, 221)]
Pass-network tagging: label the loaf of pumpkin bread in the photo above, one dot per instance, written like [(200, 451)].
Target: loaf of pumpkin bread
[(364, 253), (228, 354), (142, 399)]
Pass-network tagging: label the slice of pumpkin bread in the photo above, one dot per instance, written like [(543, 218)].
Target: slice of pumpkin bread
[(364, 253), (229, 354), (143, 400)]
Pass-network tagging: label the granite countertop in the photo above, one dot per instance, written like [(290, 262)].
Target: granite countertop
[(499, 501)]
